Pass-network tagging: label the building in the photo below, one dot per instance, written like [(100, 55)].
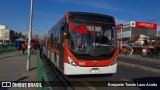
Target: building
[(6, 35), (129, 29), (129, 32)]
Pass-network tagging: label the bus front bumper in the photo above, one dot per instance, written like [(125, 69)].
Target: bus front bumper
[(77, 70)]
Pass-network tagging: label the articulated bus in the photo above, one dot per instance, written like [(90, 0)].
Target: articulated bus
[(82, 43)]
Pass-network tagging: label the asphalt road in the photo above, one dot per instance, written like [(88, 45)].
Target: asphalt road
[(126, 74), (146, 62), (134, 71)]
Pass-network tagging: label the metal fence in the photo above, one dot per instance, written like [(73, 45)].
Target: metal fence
[(138, 52), (41, 74), (153, 55)]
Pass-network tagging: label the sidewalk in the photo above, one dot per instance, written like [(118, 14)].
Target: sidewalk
[(13, 68)]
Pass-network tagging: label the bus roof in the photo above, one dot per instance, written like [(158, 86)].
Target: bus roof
[(78, 13), (89, 13), (89, 17)]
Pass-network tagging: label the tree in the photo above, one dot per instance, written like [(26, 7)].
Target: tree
[(15, 35)]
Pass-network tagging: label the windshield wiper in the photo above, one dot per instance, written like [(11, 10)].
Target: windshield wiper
[(94, 45)]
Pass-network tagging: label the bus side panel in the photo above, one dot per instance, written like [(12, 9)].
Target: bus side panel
[(62, 34), (52, 57), (45, 50), (48, 53)]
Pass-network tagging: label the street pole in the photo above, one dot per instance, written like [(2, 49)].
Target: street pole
[(29, 37), (121, 36), (130, 32), (157, 33)]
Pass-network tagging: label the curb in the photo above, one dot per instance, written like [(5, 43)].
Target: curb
[(140, 67)]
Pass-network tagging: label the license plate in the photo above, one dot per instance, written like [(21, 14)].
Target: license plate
[(94, 70)]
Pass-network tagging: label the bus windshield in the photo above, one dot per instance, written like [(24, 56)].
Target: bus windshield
[(91, 39)]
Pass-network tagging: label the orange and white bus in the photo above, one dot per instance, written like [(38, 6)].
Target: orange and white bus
[(83, 43)]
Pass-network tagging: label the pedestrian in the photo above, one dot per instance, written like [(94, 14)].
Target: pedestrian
[(144, 52), (131, 51), (125, 51), (17, 45), (39, 45), (23, 48), (33, 48)]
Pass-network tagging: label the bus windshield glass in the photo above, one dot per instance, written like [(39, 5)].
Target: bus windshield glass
[(91, 39)]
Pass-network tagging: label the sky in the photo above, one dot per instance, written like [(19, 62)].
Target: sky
[(15, 13)]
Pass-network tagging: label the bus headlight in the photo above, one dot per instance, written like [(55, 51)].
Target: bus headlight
[(71, 61), (114, 61)]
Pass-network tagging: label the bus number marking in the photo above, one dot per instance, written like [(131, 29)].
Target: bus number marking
[(81, 63)]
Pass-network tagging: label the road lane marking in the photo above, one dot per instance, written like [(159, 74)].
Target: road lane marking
[(88, 85), (139, 58), (124, 79), (138, 66)]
